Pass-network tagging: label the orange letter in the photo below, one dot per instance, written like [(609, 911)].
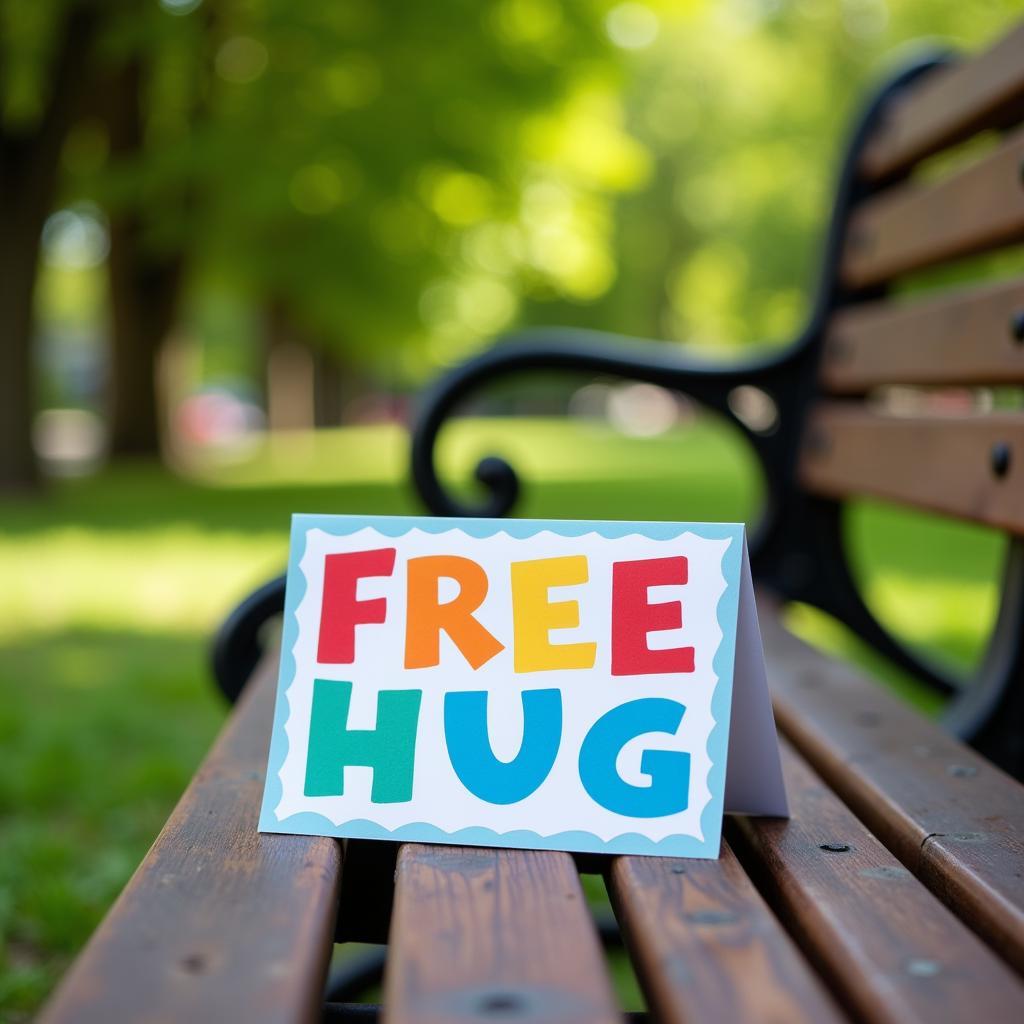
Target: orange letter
[(425, 616)]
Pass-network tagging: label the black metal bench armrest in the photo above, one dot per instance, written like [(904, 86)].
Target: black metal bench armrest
[(238, 644), (560, 349)]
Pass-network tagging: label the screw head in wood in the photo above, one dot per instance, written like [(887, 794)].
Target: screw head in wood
[(835, 847), (818, 441), (500, 1003), (1017, 325), (999, 458), (858, 240), (839, 349)]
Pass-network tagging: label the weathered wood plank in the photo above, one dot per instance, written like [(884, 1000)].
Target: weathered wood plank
[(950, 105), (479, 934), (953, 818), (219, 922), (913, 226), (968, 466), (892, 952), (965, 337), (707, 948)]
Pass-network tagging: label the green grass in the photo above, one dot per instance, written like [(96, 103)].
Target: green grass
[(112, 586)]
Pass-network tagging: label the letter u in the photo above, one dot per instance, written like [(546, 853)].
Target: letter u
[(469, 747)]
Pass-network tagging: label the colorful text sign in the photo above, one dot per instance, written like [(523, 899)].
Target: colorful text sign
[(556, 685)]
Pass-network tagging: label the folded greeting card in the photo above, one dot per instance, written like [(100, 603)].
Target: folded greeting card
[(565, 685)]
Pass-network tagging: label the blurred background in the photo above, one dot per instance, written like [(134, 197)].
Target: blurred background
[(238, 236)]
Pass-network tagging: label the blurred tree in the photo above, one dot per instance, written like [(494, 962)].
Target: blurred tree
[(385, 178), (744, 106), (153, 92), (390, 185), (144, 284), (393, 176), (45, 48)]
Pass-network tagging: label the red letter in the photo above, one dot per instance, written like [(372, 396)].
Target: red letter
[(633, 617), (340, 612)]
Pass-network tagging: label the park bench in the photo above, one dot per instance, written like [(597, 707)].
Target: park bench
[(894, 893)]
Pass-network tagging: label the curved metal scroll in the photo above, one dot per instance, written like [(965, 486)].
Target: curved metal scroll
[(575, 351)]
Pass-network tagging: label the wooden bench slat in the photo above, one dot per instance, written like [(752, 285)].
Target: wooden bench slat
[(479, 933), (219, 922), (947, 464), (953, 818), (964, 337), (893, 952), (706, 947), (948, 106), (913, 226)]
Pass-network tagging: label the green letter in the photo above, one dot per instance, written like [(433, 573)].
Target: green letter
[(388, 749)]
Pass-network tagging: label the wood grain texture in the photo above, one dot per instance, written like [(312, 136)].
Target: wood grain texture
[(950, 105), (946, 464), (706, 947), (913, 226), (891, 950), (949, 815), (483, 934), (964, 337), (219, 922)]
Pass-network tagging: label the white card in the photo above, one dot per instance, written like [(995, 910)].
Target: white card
[(588, 686)]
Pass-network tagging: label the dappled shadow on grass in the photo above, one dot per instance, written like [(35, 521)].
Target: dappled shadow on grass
[(101, 732)]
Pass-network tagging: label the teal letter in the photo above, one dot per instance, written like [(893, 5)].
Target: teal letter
[(669, 791), (388, 749), (502, 782)]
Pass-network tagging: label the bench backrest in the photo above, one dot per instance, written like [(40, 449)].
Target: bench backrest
[(909, 211), (970, 336)]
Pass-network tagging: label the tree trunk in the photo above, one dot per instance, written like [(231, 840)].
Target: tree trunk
[(143, 295), (144, 288), (29, 163), (289, 374), (19, 255), (328, 389)]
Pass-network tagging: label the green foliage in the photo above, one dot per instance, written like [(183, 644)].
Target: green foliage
[(372, 164), (744, 107), (405, 181)]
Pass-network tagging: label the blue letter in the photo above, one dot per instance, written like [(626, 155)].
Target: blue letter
[(469, 749), (669, 791), (388, 749)]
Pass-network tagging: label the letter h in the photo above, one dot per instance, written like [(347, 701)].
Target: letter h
[(389, 749)]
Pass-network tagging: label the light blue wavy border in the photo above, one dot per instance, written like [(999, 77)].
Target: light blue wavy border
[(311, 823)]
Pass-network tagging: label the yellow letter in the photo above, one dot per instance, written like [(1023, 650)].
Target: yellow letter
[(533, 614)]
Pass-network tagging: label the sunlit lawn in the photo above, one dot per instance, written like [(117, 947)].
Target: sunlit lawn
[(112, 586)]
